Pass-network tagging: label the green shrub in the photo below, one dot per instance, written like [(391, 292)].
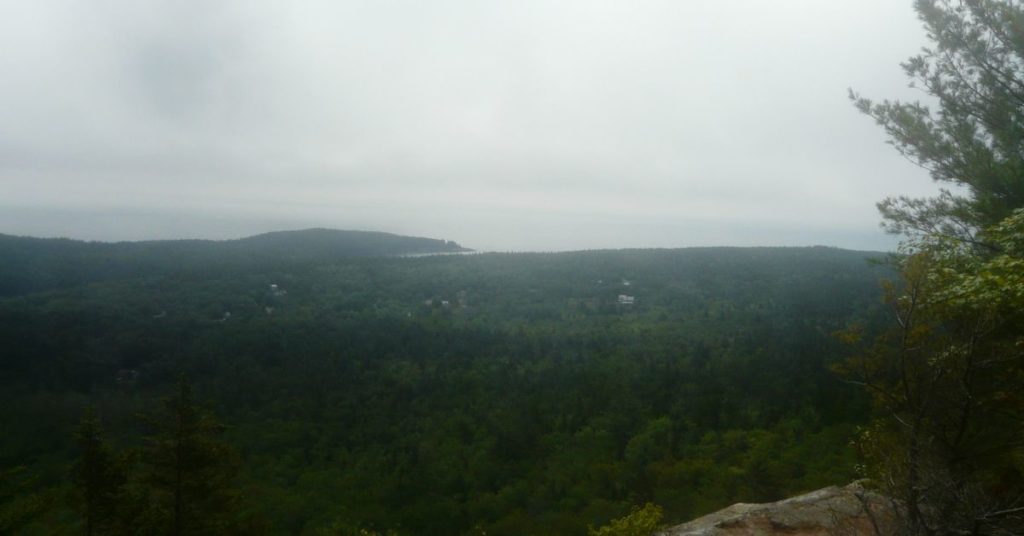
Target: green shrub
[(640, 522)]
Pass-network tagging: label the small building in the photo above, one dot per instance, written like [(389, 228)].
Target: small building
[(626, 300)]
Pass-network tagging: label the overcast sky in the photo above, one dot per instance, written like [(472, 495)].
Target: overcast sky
[(512, 125)]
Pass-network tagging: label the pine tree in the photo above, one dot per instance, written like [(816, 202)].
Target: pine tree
[(98, 477), (971, 135), (189, 470), (947, 378)]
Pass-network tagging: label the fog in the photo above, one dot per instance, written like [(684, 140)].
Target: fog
[(523, 125)]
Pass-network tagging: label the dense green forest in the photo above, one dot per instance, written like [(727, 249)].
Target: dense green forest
[(497, 393), (34, 264), (337, 383)]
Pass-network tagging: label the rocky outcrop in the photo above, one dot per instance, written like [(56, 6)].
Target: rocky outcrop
[(851, 510)]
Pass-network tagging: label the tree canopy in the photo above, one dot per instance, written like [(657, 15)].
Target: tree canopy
[(970, 133), (502, 393), (947, 377)]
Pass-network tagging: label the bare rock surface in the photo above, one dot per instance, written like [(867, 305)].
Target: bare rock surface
[(850, 510)]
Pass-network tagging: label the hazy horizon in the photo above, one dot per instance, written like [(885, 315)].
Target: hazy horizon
[(525, 126), (243, 234)]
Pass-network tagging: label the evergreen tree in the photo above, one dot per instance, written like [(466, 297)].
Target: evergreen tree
[(188, 469), (98, 477), (945, 378), (974, 140)]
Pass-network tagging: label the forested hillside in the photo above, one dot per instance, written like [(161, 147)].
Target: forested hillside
[(341, 383), (503, 393), (37, 264)]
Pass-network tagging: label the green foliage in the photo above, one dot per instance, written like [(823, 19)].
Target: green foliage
[(639, 522), (532, 403), (98, 477), (945, 380), (20, 500), (340, 528), (945, 377), (188, 471), (979, 283), (975, 139)]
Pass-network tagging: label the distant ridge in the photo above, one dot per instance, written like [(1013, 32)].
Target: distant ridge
[(30, 265), (331, 242)]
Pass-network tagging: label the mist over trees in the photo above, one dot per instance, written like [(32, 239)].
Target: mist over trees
[(336, 383), (509, 393)]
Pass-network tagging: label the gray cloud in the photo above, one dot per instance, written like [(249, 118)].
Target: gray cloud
[(503, 125)]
